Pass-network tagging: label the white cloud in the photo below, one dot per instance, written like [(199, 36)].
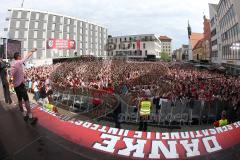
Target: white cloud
[(168, 17)]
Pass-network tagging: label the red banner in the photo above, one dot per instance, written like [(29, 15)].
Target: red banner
[(61, 44), (138, 44), (142, 145)]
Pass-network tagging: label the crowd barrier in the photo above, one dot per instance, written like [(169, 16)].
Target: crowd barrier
[(82, 101), (178, 113)]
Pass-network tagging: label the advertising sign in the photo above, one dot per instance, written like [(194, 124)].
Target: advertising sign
[(61, 44)]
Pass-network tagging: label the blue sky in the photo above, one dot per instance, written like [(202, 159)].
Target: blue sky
[(122, 17)]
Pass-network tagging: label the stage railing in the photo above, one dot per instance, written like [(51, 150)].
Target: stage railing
[(87, 102), (179, 112)]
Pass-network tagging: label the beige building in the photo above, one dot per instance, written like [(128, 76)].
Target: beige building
[(166, 44)]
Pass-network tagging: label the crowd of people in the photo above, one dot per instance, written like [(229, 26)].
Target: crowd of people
[(154, 79), (38, 81)]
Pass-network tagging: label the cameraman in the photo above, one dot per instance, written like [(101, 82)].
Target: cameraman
[(17, 73), (4, 78)]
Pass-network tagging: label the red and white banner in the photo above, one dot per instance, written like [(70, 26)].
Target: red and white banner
[(61, 44), (142, 145)]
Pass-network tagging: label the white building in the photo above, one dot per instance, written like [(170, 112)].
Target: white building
[(134, 46), (216, 51), (227, 24), (55, 35)]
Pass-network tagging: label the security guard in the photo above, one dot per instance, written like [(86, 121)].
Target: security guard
[(223, 121), (144, 112)]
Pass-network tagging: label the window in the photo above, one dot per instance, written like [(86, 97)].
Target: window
[(129, 46), (45, 26), (25, 34), (52, 35), (135, 53), (16, 34), (25, 44), (37, 15), (44, 34), (34, 44), (60, 35), (28, 15), (35, 25), (19, 14), (144, 45), (133, 46), (26, 24), (35, 34), (145, 52), (54, 18), (53, 26), (17, 24)]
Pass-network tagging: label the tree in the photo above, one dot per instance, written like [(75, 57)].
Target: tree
[(165, 57)]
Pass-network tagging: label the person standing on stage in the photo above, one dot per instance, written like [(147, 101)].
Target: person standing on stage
[(4, 79), (17, 73), (144, 112)]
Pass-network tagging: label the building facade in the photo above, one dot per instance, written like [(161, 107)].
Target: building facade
[(227, 24), (229, 21), (166, 43), (198, 51), (181, 53), (200, 43), (216, 49), (55, 35), (206, 55), (134, 46), (194, 38)]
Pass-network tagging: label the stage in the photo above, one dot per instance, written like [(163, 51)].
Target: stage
[(58, 137)]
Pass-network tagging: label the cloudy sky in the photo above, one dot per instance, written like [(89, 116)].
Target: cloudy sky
[(122, 17)]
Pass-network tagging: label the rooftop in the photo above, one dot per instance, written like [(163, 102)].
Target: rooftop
[(165, 38), (195, 37)]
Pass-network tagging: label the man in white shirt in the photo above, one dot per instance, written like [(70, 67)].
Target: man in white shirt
[(17, 72)]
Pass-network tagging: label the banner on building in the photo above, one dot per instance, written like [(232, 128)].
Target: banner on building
[(142, 145), (61, 44), (138, 44)]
